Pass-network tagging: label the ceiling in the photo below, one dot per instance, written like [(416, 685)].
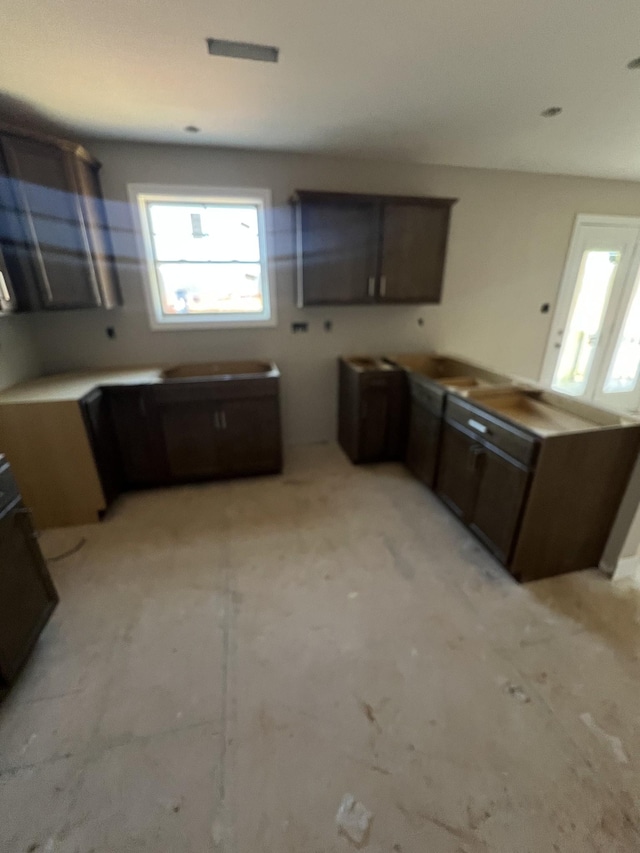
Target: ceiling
[(456, 82)]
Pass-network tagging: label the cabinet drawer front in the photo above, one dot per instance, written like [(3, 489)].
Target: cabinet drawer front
[(424, 392), (9, 492), (205, 391), (485, 428)]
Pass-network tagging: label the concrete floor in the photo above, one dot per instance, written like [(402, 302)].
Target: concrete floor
[(229, 660)]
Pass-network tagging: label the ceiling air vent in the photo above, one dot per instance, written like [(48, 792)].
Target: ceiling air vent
[(243, 50)]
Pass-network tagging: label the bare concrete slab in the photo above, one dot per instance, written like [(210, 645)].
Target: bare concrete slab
[(229, 660)]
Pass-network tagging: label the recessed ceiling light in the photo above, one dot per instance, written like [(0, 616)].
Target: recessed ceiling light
[(191, 128), (243, 50), (550, 112), (634, 64)]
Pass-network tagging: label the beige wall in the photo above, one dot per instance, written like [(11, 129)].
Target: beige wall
[(18, 354), (510, 233)]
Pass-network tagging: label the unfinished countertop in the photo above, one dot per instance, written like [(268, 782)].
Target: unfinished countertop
[(74, 386)]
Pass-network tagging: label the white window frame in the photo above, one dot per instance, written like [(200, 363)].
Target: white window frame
[(142, 194)]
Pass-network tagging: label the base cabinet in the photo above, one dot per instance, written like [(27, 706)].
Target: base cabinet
[(96, 413), (138, 437), (27, 594), (372, 411), (205, 439), (193, 431), (485, 488), (425, 431)]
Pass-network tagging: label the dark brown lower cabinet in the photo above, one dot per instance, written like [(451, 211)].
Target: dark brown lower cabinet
[(177, 432), (372, 410), (138, 436), (249, 441), (221, 438), (484, 487), (27, 594), (425, 430), (502, 489), (96, 412)]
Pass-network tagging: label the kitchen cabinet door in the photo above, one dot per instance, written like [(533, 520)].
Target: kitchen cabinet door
[(52, 216), (96, 413), (27, 594), (139, 438), (374, 421), (248, 438), (190, 431), (414, 242), (423, 443), (458, 476), (500, 498), (337, 249)]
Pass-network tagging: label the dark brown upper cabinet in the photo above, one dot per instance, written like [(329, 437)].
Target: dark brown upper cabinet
[(53, 229), (369, 249)]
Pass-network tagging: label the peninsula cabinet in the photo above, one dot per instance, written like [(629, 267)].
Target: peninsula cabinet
[(27, 594), (536, 476), (355, 249), (53, 229)]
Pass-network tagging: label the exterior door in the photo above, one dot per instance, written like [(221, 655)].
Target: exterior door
[(339, 250), (414, 243), (594, 345)]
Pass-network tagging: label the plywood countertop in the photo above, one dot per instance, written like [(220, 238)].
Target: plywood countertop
[(74, 386)]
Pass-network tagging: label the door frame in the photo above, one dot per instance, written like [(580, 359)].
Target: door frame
[(567, 285)]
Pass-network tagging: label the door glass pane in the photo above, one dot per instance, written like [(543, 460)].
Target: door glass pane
[(580, 338), (623, 371)]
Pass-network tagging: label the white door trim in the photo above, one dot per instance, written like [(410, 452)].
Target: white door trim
[(567, 284)]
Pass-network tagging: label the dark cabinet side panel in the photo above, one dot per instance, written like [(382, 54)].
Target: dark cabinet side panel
[(458, 479), (423, 444), (27, 595), (96, 413), (414, 241)]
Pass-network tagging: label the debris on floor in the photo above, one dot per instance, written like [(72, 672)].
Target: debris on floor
[(614, 742), (353, 820), (516, 691)]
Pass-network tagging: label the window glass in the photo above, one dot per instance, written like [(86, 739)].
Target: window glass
[(206, 259), (623, 371), (580, 339)]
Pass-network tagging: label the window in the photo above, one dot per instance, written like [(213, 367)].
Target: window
[(206, 256)]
